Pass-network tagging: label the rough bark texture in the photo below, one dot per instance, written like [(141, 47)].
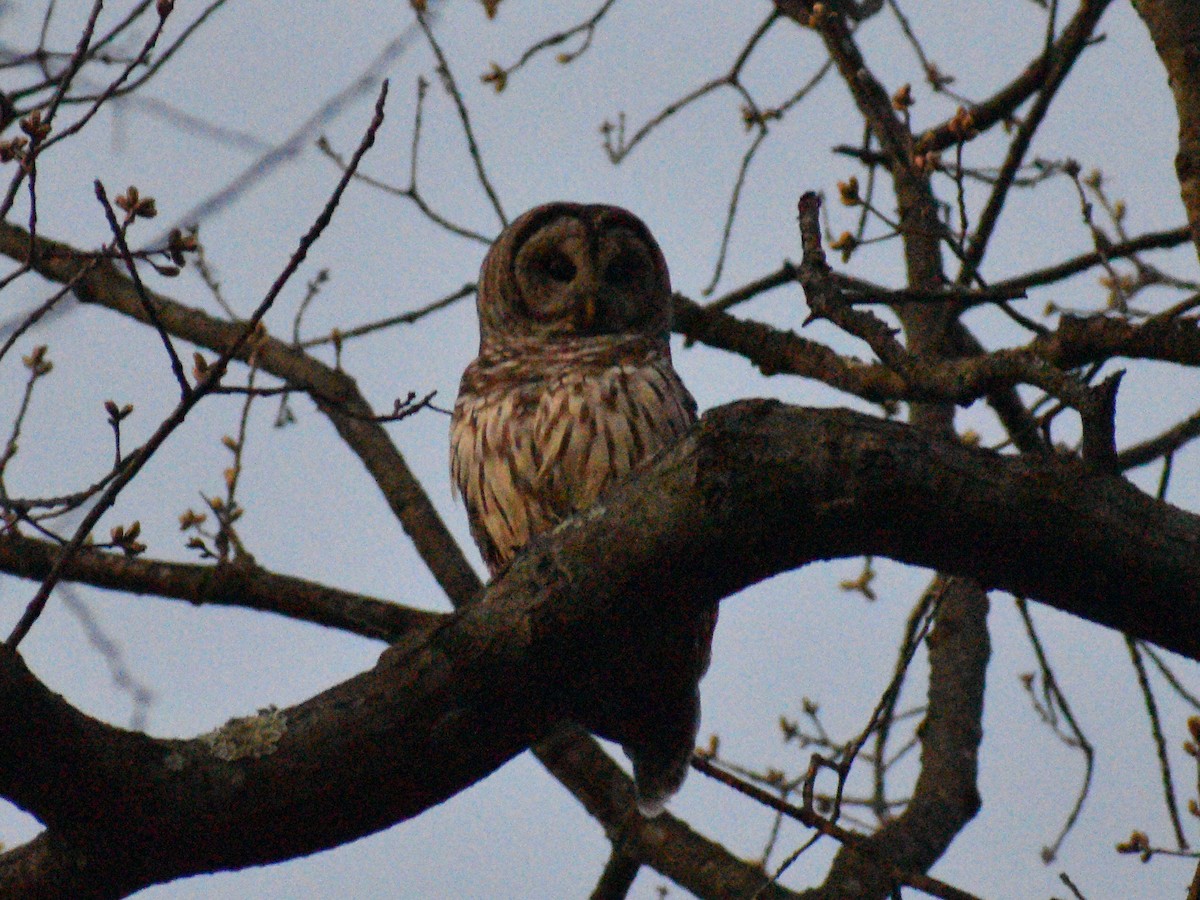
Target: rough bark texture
[(757, 489), (1175, 29)]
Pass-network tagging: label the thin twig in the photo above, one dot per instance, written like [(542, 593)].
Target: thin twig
[(207, 383), (463, 117), (118, 231), (407, 318), (859, 842), (114, 86), (1170, 676), (916, 625), (123, 678), (72, 68), (618, 148), (34, 317), (499, 75), (1058, 700), (1057, 62), (1160, 743), (1066, 880), (116, 89), (1158, 240), (731, 213)]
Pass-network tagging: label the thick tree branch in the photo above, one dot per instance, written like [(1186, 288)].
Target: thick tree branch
[(758, 488), (339, 398), (1077, 341)]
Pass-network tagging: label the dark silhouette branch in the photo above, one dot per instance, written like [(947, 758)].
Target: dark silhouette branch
[(1057, 62), (1156, 240), (578, 763), (237, 583), (758, 488)]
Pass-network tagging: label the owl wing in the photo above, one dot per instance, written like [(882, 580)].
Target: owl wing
[(492, 461)]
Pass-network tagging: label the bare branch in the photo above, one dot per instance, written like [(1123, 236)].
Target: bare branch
[(463, 116), (210, 379), (239, 583), (858, 842)]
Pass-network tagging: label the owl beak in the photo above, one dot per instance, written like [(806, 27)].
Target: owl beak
[(589, 313)]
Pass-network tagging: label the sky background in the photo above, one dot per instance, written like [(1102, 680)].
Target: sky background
[(261, 71)]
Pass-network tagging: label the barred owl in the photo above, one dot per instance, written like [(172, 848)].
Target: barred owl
[(572, 389)]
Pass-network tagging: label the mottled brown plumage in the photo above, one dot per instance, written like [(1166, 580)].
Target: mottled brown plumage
[(573, 388)]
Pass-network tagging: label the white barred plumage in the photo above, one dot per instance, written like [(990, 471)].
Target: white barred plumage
[(529, 448), (573, 389)]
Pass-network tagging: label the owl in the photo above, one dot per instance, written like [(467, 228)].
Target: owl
[(573, 389)]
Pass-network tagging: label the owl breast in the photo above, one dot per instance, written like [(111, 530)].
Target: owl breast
[(540, 431)]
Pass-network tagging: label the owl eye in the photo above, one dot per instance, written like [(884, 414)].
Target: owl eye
[(559, 267), (623, 270)]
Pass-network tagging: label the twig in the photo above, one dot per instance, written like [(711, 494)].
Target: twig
[(38, 367), (115, 90), (118, 231), (914, 629), (113, 86), (1057, 60), (859, 842), (411, 192), (1078, 739), (731, 213), (1160, 743), (72, 68), (498, 75), (618, 148), (140, 695), (34, 317), (463, 116), (1170, 676), (300, 138), (402, 319), (1158, 240), (211, 378), (785, 274), (1066, 880)]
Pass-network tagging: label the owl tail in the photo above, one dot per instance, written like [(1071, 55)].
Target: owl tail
[(661, 760), (661, 751)]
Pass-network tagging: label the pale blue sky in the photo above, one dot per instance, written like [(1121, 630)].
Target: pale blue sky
[(264, 69)]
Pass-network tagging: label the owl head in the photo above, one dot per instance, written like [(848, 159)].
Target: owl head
[(567, 270)]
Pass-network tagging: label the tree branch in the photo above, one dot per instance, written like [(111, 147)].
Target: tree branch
[(756, 489), (338, 397), (237, 583)]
